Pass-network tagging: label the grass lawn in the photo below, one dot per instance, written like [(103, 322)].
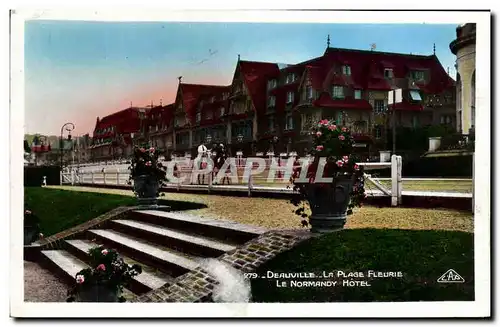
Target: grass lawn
[(276, 213), (61, 209), (421, 256)]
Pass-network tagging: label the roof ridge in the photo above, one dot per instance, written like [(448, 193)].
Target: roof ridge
[(210, 85), (379, 52)]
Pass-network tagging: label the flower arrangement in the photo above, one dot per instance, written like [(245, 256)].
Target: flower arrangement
[(107, 270), (145, 163), (333, 150)]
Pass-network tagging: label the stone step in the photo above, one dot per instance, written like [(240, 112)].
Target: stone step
[(178, 240), (154, 255), (146, 281), (67, 266), (228, 231)]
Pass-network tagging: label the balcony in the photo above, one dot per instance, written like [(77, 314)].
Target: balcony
[(359, 127)]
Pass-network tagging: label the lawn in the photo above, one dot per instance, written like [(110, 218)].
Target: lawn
[(61, 209), (277, 214), (420, 256)]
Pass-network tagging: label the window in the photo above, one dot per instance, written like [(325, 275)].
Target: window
[(157, 128), (289, 97), (442, 120), (388, 73), (290, 78), (309, 92), (338, 92), (306, 121), (225, 95), (379, 106), (417, 75), (209, 115), (222, 111), (289, 122), (346, 70), (357, 94), (378, 131), (272, 101), (415, 121), (271, 84), (198, 117), (212, 99), (415, 96), (270, 123)]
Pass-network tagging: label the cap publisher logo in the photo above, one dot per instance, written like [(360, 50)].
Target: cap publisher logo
[(451, 276)]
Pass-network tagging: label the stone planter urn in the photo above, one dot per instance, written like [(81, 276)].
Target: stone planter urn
[(98, 293), (328, 203), (146, 189), (385, 156), (434, 143)]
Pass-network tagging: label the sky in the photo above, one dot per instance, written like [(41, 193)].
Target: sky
[(77, 71)]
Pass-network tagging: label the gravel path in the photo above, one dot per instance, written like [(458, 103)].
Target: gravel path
[(41, 286)]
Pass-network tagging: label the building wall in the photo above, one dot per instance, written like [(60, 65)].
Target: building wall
[(466, 66)]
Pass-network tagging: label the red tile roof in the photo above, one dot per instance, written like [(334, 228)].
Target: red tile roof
[(255, 75), (326, 101), (124, 121), (193, 93)]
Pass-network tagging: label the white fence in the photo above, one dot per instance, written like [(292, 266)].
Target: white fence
[(117, 175)]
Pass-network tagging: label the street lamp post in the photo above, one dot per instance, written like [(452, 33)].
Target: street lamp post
[(68, 127)]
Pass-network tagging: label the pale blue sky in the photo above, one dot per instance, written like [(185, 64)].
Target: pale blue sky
[(76, 71)]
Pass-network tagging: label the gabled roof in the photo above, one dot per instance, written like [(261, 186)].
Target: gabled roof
[(255, 75), (192, 93), (125, 121)]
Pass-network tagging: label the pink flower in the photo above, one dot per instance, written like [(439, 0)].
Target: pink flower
[(341, 137), (345, 158), (356, 167), (142, 150), (324, 122), (344, 129), (332, 127), (318, 134), (80, 279), (104, 252), (340, 163), (101, 267), (27, 212), (319, 148), (151, 149), (148, 163)]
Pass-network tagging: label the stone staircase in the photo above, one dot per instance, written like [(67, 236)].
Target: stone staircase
[(166, 244)]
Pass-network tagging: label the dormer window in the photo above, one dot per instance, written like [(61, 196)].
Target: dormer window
[(272, 84), (417, 75), (272, 101), (309, 92), (289, 97), (290, 78), (388, 73), (415, 95), (337, 92), (346, 70), (357, 94)]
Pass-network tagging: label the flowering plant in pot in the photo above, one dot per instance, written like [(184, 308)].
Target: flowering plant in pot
[(332, 183), (147, 173), (105, 279)]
